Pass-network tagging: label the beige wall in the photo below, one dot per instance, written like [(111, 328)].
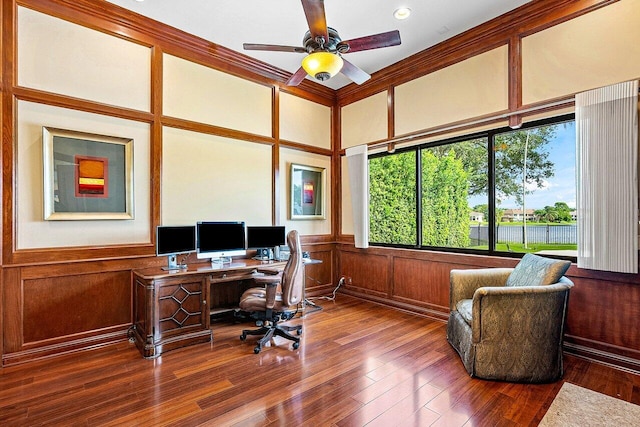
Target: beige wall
[(60, 57), (202, 94), (364, 121), (210, 178), (471, 88), (305, 121), (593, 50)]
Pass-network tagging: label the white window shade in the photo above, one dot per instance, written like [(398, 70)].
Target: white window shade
[(358, 164), (607, 169)]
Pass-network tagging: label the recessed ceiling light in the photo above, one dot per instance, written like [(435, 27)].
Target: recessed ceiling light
[(402, 13)]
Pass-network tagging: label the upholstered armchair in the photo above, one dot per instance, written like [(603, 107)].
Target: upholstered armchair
[(508, 323), (278, 300)]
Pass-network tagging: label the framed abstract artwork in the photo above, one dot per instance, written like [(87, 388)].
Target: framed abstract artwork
[(307, 192), (86, 176)]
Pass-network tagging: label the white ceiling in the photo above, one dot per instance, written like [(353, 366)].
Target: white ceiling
[(230, 23)]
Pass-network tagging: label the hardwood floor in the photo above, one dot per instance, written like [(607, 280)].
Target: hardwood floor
[(358, 364)]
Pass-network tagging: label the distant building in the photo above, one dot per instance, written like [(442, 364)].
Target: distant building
[(476, 217), (514, 215)]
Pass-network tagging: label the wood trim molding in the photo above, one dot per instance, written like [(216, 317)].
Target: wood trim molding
[(391, 112), (606, 356), (307, 148), (66, 347), (8, 128), (515, 80), (157, 72), (63, 101), (215, 130)]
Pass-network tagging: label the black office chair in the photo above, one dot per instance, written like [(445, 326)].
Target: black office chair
[(278, 300)]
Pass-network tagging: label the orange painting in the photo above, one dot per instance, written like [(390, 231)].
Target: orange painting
[(91, 176)]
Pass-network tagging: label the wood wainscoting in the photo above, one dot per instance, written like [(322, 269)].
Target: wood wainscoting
[(53, 309), (61, 308), (319, 278), (603, 307)]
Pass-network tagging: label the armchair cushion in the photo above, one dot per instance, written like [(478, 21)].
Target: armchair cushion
[(534, 270), (465, 308)]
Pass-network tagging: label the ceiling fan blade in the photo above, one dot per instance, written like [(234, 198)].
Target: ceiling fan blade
[(297, 77), (316, 18), (354, 73), (390, 38), (273, 47)]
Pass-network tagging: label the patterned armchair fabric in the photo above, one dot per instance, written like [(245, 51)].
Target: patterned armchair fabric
[(509, 333)]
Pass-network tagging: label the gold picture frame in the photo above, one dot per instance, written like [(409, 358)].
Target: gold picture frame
[(86, 176), (307, 196)]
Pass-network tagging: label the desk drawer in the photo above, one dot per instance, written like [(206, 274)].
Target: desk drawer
[(231, 276)]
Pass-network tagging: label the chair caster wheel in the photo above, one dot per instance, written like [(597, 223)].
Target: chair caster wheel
[(296, 345), (243, 337), (257, 350), (299, 332)]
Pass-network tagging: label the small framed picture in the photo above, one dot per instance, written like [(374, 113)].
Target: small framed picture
[(307, 192), (86, 176)]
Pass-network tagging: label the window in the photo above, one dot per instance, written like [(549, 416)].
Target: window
[(500, 191), (392, 199)]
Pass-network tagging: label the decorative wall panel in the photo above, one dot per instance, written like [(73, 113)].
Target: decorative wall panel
[(201, 94), (474, 87), (202, 179), (305, 121), (365, 121), (60, 57), (32, 230), (304, 226), (62, 306), (594, 50)]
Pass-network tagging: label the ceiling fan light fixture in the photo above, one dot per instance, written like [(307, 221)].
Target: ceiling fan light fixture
[(402, 13), (322, 65)]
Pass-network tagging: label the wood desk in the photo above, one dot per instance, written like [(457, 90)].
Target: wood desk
[(172, 309)]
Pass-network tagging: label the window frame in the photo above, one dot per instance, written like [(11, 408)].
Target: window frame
[(490, 136)]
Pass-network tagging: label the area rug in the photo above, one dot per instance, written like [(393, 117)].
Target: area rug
[(577, 406)]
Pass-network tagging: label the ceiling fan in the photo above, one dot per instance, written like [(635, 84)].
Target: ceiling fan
[(325, 48)]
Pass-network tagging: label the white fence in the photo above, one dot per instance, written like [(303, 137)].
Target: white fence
[(549, 233)]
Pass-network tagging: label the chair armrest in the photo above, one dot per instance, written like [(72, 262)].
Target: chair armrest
[(266, 280), (496, 309), (270, 297), (463, 283), (269, 270)]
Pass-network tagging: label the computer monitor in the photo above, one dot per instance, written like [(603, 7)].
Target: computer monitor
[(220, 240), (266, 238), (172, 241)]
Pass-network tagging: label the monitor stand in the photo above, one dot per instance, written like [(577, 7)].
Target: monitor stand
[(264, 254), (222, 260), (172, 263)]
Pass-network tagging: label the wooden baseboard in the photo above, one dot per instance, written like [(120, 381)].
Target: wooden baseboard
[(58, 349), (607, 358), (411, 308)]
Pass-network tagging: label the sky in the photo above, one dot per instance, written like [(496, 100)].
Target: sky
[(561, 187)]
